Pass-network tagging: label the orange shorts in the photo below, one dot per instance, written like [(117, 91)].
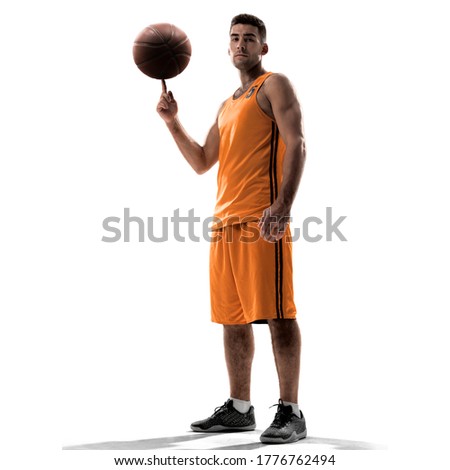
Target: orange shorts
[(251, 278)]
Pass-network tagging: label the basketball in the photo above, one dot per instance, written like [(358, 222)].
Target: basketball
[(162, 51)]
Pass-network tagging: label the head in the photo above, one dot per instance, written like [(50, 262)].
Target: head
[(247, 41), (244, 18)]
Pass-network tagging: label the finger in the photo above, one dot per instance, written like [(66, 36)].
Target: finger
[(280, 235), (164, 86), (269, 238), (264, 216), (263, 220), (266, 228), (274, 230), (282, 225), (164, 98), (162, 105)]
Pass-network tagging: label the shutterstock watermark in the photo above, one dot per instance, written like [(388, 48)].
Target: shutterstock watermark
[(190, 227)]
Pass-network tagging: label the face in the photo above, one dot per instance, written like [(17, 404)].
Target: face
[(246, 49)]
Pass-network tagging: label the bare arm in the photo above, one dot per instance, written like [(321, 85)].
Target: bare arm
[(287, 114), (201, 158)]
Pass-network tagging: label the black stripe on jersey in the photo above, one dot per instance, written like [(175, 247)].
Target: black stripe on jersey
[(271, 164), (275, 134)]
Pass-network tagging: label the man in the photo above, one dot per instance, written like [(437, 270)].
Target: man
[(258, 141)]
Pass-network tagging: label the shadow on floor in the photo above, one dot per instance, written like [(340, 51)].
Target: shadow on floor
[(176, 442), (336, 444)]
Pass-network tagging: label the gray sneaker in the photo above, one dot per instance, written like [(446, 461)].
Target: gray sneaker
[(286, 427), (226, 419)]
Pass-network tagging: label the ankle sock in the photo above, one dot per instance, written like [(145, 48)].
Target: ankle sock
[(241, 405), (295, 408)]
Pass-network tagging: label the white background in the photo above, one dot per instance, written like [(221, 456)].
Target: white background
[(112, 341)]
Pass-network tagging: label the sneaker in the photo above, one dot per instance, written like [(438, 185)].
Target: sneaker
[(226, 418), (286, 427)]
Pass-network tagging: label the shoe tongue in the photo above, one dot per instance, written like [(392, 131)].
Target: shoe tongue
[(286, 409)]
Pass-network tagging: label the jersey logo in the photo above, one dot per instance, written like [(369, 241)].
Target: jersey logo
[(250, 93)]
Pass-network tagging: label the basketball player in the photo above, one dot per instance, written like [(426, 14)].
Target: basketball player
[(258, 141)]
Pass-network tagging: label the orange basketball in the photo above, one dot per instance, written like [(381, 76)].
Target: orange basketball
[(162, 51)]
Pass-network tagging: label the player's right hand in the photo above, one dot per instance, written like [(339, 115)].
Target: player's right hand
[(167, 107)]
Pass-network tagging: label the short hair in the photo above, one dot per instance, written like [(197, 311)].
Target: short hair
[(245, 18)]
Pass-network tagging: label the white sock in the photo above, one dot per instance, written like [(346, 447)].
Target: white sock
[(241, 405), (295, 409)]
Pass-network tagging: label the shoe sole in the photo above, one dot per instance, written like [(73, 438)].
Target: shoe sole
[(220, 428), (294, 437)]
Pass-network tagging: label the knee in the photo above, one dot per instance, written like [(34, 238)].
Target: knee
[(284, 331)]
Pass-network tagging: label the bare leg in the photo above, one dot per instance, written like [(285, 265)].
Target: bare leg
[(239, 350), (286, 343)]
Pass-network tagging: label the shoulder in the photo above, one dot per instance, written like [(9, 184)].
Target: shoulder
[(278, 85), (277, 80)]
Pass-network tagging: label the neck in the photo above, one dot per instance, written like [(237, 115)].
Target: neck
[(248, 76)]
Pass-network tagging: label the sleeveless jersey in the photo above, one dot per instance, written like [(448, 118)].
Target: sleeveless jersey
[(251, 154)]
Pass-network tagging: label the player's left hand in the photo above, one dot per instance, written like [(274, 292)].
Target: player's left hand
[(274, 222)]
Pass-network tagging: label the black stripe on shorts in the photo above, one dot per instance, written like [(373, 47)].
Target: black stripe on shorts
[(278, 244)]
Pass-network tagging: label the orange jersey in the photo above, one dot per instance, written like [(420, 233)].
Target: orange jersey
[(251, 154)]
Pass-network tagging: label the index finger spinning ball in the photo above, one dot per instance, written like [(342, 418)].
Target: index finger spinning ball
[(162, 51)]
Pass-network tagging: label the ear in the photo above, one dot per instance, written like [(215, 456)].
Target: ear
[(265, 49)]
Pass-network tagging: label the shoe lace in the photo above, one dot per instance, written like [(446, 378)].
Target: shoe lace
[(220, 408), (281, 416)]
